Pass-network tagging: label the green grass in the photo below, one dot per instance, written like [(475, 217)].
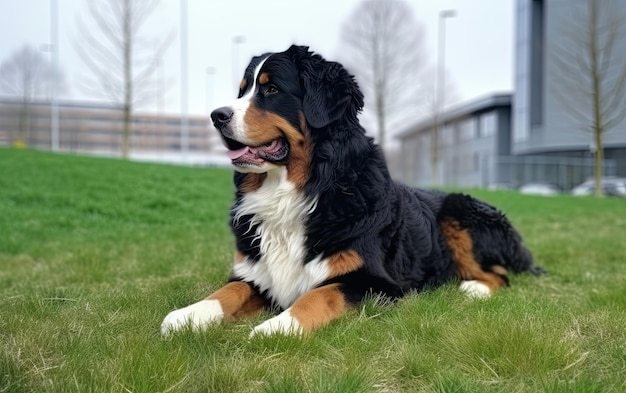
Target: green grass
[(95, 252)]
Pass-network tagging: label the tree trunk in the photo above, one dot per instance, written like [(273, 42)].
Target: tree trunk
[(126, 120), (380, 109), (128, 80), (434, 151), (598, 170), (598, 125)]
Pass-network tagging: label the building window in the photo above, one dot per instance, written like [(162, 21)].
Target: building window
[(467, 129), (488, 124), (447, 135)]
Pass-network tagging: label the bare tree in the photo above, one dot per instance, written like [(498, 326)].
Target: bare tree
[(384, 48), (591, 71), (435, 107), (121, 60), (27, 75)]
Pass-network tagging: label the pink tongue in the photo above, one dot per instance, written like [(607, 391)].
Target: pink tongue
[(234, 154)]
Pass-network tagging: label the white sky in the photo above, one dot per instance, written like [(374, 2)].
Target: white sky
[(479, 40)]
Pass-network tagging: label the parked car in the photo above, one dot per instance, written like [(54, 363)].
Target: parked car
[(544, 189), (612, 186)]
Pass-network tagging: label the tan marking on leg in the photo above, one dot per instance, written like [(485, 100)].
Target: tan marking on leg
[(237, 298), (319, 306), (344, 262), (467, 268), (252, 307)]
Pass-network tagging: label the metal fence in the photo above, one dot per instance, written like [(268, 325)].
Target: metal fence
[(562, 172), (97, 128)]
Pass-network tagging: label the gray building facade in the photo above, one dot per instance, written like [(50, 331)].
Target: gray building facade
[(471, 137), (552, 101), (537, 134)]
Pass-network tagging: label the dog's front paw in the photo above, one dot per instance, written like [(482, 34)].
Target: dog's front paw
[(198, 316), (283, 323)]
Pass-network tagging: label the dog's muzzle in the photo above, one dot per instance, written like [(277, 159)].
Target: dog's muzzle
[(244, 155)]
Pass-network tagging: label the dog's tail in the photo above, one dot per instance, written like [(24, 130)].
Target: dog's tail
[(495, 242)]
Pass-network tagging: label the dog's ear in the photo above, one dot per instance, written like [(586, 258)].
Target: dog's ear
[(330, 92)]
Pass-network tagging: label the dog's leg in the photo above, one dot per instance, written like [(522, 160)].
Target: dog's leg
[(234, 300), (476, 281), (311, 311), (479, 283)]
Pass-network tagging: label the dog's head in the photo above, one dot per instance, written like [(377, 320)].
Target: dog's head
[(285, 99)]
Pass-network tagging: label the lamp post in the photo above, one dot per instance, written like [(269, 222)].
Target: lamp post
[(237, 41), (184, 120), (439, 91), (54, 53), (158, 129), (210, 71)]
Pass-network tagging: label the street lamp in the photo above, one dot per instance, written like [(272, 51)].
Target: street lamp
[(184, 120), (439, 91), (54, 54), (158, 127), (212, 135)]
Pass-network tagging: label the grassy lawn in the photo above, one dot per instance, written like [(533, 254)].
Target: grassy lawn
[(95, 252)]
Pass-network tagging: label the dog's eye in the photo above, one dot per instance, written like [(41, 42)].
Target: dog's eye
[(270, 90)]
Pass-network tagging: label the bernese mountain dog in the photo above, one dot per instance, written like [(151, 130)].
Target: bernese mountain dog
[(319, 224)]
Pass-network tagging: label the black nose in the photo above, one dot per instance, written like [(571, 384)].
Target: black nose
[(221, 116)]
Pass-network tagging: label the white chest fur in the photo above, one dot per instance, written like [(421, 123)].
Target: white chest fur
[(280, 211)]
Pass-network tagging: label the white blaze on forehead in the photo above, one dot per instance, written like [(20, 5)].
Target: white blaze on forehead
[(240, 106)]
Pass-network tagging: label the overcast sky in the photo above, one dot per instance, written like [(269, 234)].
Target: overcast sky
[(479, 40)]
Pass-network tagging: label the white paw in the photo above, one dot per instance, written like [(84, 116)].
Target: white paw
[(283, 323), (475, 289), (198, 315)]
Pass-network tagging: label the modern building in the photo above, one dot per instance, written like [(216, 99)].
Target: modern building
[(471, 137), (543, 129), (553, 95)]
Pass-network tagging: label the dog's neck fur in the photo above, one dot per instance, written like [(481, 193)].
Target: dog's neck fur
[(279, 212)]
